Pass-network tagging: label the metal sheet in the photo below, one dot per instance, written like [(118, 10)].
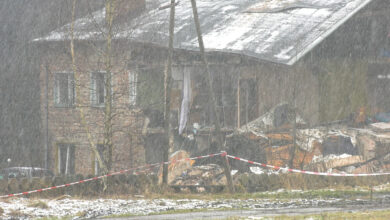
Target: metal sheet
[(281, 36)]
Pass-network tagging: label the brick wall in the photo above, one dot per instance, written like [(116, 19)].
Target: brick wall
[(64, 123)]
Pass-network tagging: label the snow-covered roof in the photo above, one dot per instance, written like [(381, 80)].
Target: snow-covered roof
[(280, 31)]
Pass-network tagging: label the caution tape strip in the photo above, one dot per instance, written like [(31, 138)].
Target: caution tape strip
[(286, 169), (147, 167)]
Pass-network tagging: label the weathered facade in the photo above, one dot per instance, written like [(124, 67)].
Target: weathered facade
[(73, 111), (323, 75), (68, 142)]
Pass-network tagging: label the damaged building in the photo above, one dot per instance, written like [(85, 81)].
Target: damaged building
[(278, 68)]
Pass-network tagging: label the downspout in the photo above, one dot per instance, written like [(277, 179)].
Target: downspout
[(46, 138)]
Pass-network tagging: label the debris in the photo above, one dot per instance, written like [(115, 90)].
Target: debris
[(338, 145), (341, 148), (307, 138), (281, 155), (257, 170), (366, 146), (381, 127), (383, 117), (367, 168), (278, 117), (323, 164), (177, 167), (205, 175), (245, 147)]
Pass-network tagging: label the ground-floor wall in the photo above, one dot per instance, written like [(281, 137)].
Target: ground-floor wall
[(68, 132)]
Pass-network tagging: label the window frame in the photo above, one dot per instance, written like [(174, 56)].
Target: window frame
[(93, 97), (71, 94), (133, 88), (69, 157)]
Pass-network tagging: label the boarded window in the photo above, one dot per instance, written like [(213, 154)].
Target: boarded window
[(66, 159), (64, 89), (98, 89)]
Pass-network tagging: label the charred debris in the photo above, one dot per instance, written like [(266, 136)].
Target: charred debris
[(349, 146)]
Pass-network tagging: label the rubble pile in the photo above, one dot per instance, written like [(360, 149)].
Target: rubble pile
[(211, 174), (333, 148), (177, 165), (275, 139)]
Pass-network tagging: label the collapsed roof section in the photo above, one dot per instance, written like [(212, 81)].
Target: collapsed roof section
[(270, 30)]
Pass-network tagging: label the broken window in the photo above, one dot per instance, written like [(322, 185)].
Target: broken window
[(98, 89), (224, 87), (133, 88), (150, 88), (66, 159), (64, 89), (100, 150)]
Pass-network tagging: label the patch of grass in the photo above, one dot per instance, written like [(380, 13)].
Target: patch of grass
[(38, 204), (173, 211), (125, 215), (370, 215), (16, 213), (1, 211), (310, 194), (81, 214), (55, 218)]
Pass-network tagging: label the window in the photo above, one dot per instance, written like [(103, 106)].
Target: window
[(133, 88), (64, 89), (98, 89), (66, 159), (100, 149)]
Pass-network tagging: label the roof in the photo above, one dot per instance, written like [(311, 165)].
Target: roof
[(280, 31)]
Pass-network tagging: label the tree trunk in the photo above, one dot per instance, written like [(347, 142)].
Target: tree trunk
[(212, 96), (108, 145), (78, 100), (167, 93)]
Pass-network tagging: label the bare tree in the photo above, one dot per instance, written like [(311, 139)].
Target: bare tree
[(167, 91), (211, 95), (77, 87)]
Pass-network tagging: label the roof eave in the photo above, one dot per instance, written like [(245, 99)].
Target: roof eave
[(301, 54)]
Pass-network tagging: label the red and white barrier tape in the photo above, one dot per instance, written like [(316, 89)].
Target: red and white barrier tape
[(145, 167), (286, 169)]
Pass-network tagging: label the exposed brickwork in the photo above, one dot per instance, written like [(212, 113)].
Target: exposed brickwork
[(65, 122)]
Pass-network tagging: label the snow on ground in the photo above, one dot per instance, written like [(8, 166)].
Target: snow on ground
[(88, 209)]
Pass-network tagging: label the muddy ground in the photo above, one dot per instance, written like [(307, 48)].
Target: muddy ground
[(258, 214), (203, 208)]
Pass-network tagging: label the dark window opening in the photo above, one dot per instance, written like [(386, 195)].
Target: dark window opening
[(66, 159), (98, 89)]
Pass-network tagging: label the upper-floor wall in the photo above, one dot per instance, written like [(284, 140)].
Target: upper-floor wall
[(64, 91)]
